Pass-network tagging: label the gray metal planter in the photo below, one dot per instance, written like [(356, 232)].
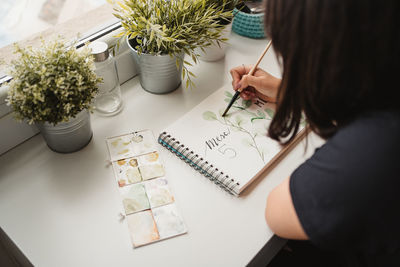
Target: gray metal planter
[(158, 74), (67, 137)]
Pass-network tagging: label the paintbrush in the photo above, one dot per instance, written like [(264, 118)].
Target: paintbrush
[(236, 95)]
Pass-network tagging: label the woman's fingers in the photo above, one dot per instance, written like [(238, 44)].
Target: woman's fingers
[(247, 94), (237, 74), (248, 80), (261, 84)]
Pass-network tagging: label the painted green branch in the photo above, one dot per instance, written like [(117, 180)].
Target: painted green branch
[(228, 123)]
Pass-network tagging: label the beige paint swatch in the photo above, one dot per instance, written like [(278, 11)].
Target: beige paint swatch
[(120, 147), (158, 192), (134, 198), (152, 171), (142, 228), (126, 171), (143, 142), (169, 221)]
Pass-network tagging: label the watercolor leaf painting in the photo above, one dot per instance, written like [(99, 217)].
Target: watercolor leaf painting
[(242, 120)]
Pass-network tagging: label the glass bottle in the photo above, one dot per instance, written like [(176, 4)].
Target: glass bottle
[(108, 100)]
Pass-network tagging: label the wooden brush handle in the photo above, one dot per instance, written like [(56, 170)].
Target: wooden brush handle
[(260, 58)]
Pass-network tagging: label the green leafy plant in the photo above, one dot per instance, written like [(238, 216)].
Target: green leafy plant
[(51, 84), (227, 6), (160, 27)]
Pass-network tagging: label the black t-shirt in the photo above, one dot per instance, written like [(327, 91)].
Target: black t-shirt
[(347, 195)]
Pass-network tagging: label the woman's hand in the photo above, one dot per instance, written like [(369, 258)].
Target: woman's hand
[(261, 84)]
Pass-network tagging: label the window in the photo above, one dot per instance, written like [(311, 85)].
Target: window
[(25, 21), (20, 22)]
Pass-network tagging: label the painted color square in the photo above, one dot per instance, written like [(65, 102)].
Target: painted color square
[(169, 221), (149, 158), (142, 228), (151, 171), (120, 147), (158, 192), (134, 198), (127, 171), (143, 142)]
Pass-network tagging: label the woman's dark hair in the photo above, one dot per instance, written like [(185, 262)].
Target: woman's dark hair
[(339, 60)]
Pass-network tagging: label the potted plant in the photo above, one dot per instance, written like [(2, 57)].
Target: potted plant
[(216, 50), (53, 87), (161, 32)]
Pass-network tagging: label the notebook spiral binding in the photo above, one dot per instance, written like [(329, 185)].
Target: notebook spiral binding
[(198, 163)]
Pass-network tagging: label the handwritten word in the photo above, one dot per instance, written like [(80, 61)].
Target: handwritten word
[(259, 102), (217, 143), (214, 142)]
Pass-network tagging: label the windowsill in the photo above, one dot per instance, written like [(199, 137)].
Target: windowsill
[(98, 24), (85, 25)]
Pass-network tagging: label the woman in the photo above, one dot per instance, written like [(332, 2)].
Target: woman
[(339, 62)]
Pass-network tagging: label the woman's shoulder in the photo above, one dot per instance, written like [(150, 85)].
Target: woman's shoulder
[(372, 124), (350, 182), (372, 134)]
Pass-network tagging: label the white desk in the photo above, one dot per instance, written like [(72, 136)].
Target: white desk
[(62, 209)]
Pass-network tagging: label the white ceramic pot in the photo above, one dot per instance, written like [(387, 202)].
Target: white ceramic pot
[(215, 52)]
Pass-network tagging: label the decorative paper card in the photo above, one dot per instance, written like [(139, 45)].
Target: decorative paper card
[(232, 150), (143, 142), (136, 169), (120, 146), (127, 171), (151, 171), (134, 198), (143, 228), (130, 145), (169, 222), (158, 192), (139, 171)]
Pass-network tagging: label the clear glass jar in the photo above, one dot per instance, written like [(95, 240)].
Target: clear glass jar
[(108, 100)]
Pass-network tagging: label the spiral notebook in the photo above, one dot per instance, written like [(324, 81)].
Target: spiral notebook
[(231, 151)]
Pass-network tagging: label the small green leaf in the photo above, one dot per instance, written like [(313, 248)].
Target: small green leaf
[(188, 63), (256, 118), (209, 116), (238, 120), (261, 114), (183, 73), (228, 94), (247, 142), (247, 103)]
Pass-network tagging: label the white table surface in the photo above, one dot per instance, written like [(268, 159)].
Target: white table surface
[(63, 209)]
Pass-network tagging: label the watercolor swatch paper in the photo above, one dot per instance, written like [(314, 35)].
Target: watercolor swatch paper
[(131, 145), (127, 171), (169, 221), (136, 169), (143, 228), (151, 171), (150, 158), (120, 146), (134, 198), (158, 192), (143, 142), (139, 172)]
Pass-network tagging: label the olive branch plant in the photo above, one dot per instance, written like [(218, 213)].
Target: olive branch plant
[(172, 27)]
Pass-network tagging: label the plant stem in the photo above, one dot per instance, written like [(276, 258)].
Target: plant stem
[(230, 124)]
